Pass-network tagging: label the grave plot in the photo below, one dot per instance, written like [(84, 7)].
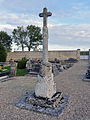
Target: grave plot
[(4, 71), (8, 71), (87, 75)]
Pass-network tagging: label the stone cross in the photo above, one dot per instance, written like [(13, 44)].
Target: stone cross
[(45, 86), (45, 14)]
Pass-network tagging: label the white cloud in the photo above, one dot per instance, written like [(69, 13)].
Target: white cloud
[(76, 36), (9, 21), (60, 35), (19, 19)]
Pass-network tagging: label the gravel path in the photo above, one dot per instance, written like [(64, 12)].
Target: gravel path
[(69, 82)]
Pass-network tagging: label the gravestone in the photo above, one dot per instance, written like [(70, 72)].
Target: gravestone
[(87, 75), (28, 65), (13, 69), (45, 86), (55, 69)]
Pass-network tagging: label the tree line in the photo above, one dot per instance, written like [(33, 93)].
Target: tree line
[(29, 37), (23, 37)]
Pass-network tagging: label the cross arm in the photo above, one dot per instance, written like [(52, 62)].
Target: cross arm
[(49, 14), (41, 15), (46, 14)]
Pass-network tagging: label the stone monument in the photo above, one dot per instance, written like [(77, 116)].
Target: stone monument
[(45, 99), (29, 65), (13, 69), (45, 86)]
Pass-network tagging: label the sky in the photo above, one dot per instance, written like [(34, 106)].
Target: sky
[(68, 27)]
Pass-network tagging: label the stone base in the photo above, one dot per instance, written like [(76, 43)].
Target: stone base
[(53, 106), (45, 86), (86, 79)]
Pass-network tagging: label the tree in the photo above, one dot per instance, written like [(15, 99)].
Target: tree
[(5, 40), (34, 37), (3, 53), (19, 36)]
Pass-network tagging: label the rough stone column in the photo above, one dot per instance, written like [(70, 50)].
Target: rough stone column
[(45, 86), (78, 54), (45, 44)]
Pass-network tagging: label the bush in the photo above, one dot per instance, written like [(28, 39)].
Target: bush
[(22, 63), (3, 53)]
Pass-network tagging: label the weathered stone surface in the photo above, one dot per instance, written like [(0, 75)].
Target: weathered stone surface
[(53, 106), (55, 69), (45, 102), (13, 69), (17, 55), (28, 65), (3, 77), (45, 86)]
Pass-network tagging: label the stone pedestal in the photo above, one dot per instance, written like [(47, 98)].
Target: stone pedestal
[(45, 86)]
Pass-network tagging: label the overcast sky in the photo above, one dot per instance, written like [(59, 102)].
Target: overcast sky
[(69, 25)]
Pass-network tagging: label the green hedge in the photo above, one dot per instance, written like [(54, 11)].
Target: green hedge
[(3, 53), (22, 63)]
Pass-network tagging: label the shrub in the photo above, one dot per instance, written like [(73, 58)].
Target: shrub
[(22, 63), (3, 53)]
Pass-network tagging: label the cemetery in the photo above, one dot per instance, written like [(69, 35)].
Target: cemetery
[(45, 87)]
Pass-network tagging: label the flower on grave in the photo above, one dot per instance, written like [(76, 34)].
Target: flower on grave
[(0, 68)]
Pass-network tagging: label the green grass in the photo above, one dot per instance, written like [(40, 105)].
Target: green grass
[(21, 72), (8, 69)]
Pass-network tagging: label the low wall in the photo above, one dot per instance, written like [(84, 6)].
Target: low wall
[(17, 55)]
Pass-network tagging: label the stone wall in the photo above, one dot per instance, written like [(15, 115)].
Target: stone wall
[(17, 55)]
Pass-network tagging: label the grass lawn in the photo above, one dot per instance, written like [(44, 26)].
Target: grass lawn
[(6, 71), (21, 72)]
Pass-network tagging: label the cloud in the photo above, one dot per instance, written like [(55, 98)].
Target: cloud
[(18, 19), (70, 36), (7, 28), (9, 21), (64, 36)]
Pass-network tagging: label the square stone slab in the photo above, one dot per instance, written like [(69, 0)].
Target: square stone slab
[(42, 109)]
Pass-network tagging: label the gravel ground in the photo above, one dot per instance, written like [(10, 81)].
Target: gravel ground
[(69, 82)]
